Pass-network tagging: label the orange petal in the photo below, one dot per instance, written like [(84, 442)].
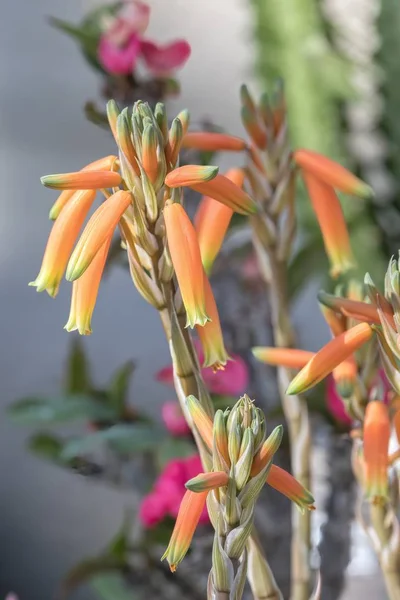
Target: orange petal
[(201, 420), (213, 142), (267, 451), (345, 376), (61, 241), (396, 423), (376, 447), (190, 175), (286, 484), (98, 229), (225, 191), (204, 482), (329, 357), (210, 333), (331, 173), (362, 311), (188, 518), (212, 221), (84, 293), (82, 180), (185, 254), (333, 226), (283, 357)]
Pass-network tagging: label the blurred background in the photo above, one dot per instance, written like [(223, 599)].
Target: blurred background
[(338, 59)]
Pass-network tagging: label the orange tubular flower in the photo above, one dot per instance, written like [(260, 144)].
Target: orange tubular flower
[(213, 142), (82, 180), (345, 376), (362, 311), (98, 229), (283, 357), (189, 175), (204, 482), (333, 227), (329, 357), (201, 420), (84, 293), (212, 222), (61, 241), (396, 423), (226, 192), (286, 484), (267, 451), (186, 258), (331, 173), (210, 334), (188, 518), (103, 164), (376, 448)]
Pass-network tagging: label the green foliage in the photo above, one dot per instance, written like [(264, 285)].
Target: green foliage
[(112, 586), (57, 410), (172, 447)]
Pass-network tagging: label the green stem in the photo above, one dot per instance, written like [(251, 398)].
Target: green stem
[(388, 556)]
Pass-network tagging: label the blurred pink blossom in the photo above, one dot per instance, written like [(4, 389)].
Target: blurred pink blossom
[(166, 496), (232, 381), (173, 418), (162, 60), (121, 44)]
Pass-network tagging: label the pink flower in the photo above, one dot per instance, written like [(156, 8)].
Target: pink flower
[(173, 418), (232, 381), (335, 404), (121, 44), (166, 496), (162, 60)]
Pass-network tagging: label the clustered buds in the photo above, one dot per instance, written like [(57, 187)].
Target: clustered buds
[(143, 191), (241, 456)]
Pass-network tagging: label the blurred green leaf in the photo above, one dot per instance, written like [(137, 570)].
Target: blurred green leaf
[(112, 587), (160, 534), (172, 448), (223, 402), (46, 445), (119, 545), (85, 571), (36, 411), (123, 438), (119, 386), (309, 262), (78, 375)]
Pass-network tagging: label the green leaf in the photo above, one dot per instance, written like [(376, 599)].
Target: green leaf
[(172, 448), (119, 545), (118, 390), (37, 411), (85, 571), (46, 445), (160, 534), (222, 402), (122, 438), (78, 375), (112, 586)]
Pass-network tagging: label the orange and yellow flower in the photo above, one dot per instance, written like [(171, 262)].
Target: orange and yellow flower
[(99, 228), (331, 221), (190, 175), (84, 293), (225, 191), (210, 334), (283, 357), (212, 221), (213, 142), (376, 435), (185, 255), (329, 357), (61, 241), (82, 180), (331, 173), (188, 518), (286, 484)]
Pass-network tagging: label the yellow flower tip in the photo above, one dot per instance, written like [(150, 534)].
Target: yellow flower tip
[(210, 334), (187, 520), (99, 228), (225, 191), (213, 142), (82, 180), (285, 357), (186, 258), (190, 175), (329, 357), (286, 484), (267, 451), (345, 376)]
